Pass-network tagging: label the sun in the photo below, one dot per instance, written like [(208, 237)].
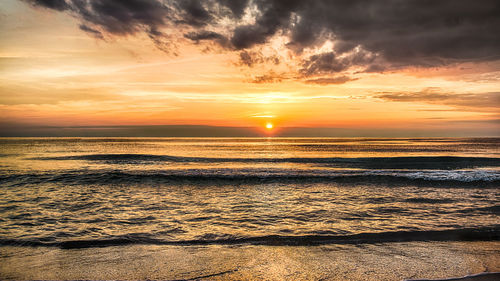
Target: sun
[(269, 126)]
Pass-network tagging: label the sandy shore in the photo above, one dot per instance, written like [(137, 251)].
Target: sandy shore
[(390, 261)]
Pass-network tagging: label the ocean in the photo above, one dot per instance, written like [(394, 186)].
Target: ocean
[(213, 195)]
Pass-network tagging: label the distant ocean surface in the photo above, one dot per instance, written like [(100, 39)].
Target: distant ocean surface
[(87, 192)]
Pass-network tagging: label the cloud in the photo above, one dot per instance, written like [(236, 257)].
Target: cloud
[(251, 58), (330, 80), (91, 31), (323, 63), (270, 77), (329, 62), (193, 13), (59, 5), (423, 33), (382, 34), (274, 16), (204, 35), (489, 101), (115, 17)]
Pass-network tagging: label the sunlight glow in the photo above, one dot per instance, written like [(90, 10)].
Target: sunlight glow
[(269, 126)]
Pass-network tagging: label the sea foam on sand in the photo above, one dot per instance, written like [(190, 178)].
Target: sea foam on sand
[(486, 276)]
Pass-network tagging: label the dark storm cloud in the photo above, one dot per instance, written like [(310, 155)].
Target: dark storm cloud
[(477, 101), (411, 32), (59, 5), (123, 17), (274, 16), (194, 13), (237, 7), (118, 17), (398, 33), (203, 35)]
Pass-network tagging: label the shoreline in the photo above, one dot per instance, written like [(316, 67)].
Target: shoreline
[(484, 276), (385, 261)]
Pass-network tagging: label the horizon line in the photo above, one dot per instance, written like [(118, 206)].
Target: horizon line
[(191, 130)]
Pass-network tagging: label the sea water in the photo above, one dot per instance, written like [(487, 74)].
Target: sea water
[(106, 192)]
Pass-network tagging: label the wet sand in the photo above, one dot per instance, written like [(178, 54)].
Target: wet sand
[(389, 261)]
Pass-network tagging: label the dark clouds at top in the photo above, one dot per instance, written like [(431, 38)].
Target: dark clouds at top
[(375, 35)]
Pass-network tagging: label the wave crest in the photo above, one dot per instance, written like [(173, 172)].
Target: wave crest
[(466, 234), (415, 162)]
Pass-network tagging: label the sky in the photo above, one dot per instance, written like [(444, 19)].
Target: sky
[(310, 68)]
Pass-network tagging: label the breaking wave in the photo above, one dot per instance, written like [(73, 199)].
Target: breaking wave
[(477, 178), (416, 162), (466, 234)]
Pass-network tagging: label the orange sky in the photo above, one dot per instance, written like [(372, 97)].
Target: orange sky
[(53, 73)]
